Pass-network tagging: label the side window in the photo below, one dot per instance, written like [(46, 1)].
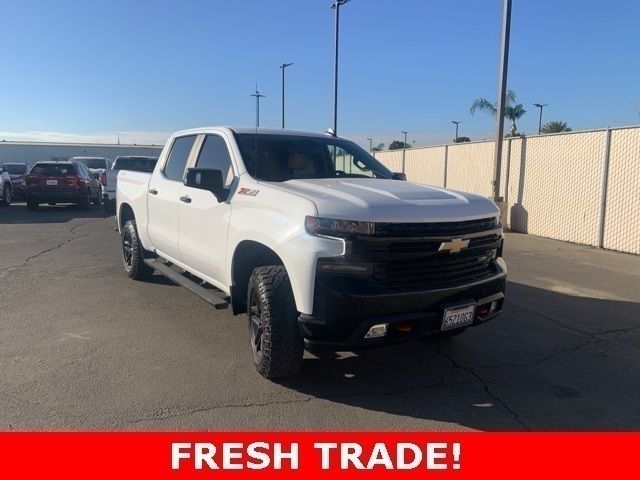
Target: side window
[(215, 154), (174, 169)]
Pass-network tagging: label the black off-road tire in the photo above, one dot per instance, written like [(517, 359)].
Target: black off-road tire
[(31, 205), (272, 314), (133, 253), (5, 199)]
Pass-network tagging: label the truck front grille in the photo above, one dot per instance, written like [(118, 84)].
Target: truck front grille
[(435, 229)]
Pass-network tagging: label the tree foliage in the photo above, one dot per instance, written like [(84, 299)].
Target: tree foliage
[(512, 109), (461, 140), (555, 126), (398, 145), (378, 148)]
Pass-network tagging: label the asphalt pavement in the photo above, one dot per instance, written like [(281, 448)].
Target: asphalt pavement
[(84, 347)]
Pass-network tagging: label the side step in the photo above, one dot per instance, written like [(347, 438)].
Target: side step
[(207, 295)]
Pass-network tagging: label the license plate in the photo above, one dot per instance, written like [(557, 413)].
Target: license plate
[(52, 182), (456, 317)]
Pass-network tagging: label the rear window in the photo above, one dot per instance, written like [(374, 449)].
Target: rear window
[(53, 170), (93, 162), (135, 164), (16, 169)]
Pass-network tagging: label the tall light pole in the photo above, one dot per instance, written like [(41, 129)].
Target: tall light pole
[(455, 140), (258, 96), (282, 67), (502, 91), (404, 149), (370, 144), (336, 6), (540, 106)]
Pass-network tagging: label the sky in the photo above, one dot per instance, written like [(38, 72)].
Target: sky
[(140, 69)]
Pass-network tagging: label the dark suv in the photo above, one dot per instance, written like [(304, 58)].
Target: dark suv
[(61, 182), (17, 172)]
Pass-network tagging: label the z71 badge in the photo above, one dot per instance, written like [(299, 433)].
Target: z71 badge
[(248, 191)]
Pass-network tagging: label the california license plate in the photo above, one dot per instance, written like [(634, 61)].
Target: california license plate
[(52, 182), (456, 317)]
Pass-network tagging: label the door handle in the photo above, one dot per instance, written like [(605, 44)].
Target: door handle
[(185, 199), (153, 191)]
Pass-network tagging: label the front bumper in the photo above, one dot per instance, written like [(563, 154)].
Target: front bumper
[(344, 310)]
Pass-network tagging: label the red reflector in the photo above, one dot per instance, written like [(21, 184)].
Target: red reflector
[(483, 310), (404, 327)]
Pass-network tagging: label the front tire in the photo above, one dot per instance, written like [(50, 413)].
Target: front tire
[(276, 344), (133, 253)]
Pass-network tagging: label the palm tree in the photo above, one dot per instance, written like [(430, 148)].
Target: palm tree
[(555, 126), (512, 110)]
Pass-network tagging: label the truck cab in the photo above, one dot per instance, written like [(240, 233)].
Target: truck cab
[(313, 239)]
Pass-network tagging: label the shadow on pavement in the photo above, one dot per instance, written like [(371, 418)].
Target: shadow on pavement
[(551, 361), (18, 213)]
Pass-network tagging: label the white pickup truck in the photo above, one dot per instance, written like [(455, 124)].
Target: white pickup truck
[(315, 240), (109, 177)]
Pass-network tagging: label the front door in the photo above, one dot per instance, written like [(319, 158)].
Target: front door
[(204, 222), (163, 198)]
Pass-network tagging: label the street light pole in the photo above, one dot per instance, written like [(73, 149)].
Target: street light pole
[(404, 150), (282, 67), (336, 6), (258, 96), (456, 123), (370, 144), (502, 91), (540, 106)]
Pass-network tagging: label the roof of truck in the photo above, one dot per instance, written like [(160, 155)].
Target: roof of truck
[(252, 130)]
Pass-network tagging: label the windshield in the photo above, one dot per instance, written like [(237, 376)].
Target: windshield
[(93, 162), (15, 169), (53, 169), (136, 164), (289, 157)]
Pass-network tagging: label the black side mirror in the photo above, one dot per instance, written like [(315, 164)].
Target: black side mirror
[(399, 176), (207, 179)]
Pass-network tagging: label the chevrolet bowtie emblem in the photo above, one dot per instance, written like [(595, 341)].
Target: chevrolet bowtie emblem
[(454, 246)]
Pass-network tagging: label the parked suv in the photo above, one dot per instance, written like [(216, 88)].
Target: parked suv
[(318, 243), (6, 188), (61, 182), (18, 173)]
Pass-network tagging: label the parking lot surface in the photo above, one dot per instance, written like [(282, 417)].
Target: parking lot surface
[(84, 347)]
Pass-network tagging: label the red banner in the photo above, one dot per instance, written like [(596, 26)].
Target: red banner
[(314, 455)]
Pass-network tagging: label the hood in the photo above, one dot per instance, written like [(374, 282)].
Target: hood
[(96, 170), (379, 200), (15, 176)]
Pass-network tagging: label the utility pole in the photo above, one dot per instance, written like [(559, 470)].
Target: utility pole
[(258, 96), (502, 91), (540, 106), (336, 6), (370, 144), (455, 140), (282, 67), (404, 150)]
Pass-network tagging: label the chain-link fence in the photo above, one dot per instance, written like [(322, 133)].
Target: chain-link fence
[(581, 187)]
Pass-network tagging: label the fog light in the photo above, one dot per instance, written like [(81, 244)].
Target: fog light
[(494, 306), (378, 330)]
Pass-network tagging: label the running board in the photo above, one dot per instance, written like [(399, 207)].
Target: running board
[(207, 295)]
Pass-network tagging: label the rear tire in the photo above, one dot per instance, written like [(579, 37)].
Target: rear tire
[(5, 200), (85, 203), (276, 344), (133, 253), (32, 205)]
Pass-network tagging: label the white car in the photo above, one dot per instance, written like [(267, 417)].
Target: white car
[(109, 178), (318, 243), (6, 187)]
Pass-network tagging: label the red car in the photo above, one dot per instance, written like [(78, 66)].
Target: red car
[(62, 182), (17, 172)]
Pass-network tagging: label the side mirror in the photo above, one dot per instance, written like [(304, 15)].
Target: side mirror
[(207, 179), (399, 176)]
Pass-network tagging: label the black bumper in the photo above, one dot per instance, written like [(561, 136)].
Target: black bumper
[(345, 309), (57, 195)]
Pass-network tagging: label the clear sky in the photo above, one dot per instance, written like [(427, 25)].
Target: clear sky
[(87, 70)]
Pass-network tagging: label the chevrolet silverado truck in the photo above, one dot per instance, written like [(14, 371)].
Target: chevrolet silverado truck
[(316, 242)]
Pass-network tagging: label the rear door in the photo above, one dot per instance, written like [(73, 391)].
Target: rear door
[(163, 198), (204, 221)]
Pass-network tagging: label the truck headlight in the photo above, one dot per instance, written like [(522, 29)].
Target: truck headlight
[(332, 227)]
